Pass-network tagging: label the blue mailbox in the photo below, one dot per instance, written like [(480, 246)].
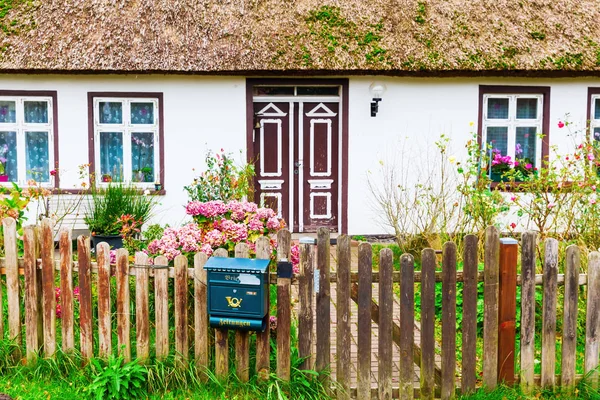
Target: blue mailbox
[(238, 293)]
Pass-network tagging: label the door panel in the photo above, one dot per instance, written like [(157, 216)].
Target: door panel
[(320, 165), (271, 144)]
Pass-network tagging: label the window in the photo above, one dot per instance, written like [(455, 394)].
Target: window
[(27, 136), (594, 113), (514, 122), (127, 137)]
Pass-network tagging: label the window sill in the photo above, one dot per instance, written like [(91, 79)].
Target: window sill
[(153, 192)]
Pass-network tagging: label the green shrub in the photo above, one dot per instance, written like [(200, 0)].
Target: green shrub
[(107, 206), (119, 380)]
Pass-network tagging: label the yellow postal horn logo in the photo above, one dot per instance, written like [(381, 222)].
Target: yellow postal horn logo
[(233, 302)]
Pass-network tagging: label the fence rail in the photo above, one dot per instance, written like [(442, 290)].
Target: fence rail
[(108, 308)]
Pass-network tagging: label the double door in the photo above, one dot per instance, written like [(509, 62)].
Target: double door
[(296, 147)]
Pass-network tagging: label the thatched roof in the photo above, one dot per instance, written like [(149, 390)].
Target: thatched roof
[(317, 36)]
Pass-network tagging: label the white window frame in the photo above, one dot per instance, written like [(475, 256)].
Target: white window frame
[(21, 128), (512, 122), (127, 128), (594, 123)]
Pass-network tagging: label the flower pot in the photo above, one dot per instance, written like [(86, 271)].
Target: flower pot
[(114, 241), (158, 186), (497, 177), (3, 178)]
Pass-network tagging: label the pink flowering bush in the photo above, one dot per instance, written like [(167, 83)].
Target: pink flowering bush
[(219, 224)]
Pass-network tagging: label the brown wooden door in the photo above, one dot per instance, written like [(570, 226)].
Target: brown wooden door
[(320, 134), (271, 145), (296, 144)]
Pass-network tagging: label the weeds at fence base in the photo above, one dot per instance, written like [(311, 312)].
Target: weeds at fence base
[(67, 376)]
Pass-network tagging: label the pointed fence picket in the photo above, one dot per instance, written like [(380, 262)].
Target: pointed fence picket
[(40, 271)]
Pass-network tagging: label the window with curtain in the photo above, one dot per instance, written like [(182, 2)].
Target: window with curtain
[(126, 140), (26, 139), (512, 128), (595, 117)]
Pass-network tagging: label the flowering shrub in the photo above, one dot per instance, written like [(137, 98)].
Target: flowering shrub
[(222, 180), (219, 225)]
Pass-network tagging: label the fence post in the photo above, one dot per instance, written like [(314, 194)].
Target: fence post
[(123, 305), (527, 342), (490, 309), (242, 338), (48, 293), (66, 289), (592, 326), (263, 339), (305, 297), (323, 322), (12, 283), (221, 339), (31, 295), (284, 308), (549, 314), (507, 308)]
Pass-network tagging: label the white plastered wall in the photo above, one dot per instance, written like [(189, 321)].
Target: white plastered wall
[(200, 113), (209, 112), (415, 111)]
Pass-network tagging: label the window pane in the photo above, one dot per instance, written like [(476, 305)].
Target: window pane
[(273, 90), (497, 109), (527, 108), (7, 112), (8, 155), (142, 113), (525, 144), (497, 137), (318, 91), (111, 112), (597, 109), (36, 156), (142, 156), (36, 112), (111, 156)]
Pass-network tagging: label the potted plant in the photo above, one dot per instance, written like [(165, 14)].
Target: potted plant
[(107, 207), (3, 159), (500, 166), (157, 186), (106, 178)]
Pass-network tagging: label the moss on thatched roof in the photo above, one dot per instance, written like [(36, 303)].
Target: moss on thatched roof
[(263, 36)]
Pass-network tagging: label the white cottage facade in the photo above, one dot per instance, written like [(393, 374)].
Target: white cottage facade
[(313, 139)]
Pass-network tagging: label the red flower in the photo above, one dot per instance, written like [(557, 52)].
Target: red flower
[(53, 172), (513, 225), (561, 124)]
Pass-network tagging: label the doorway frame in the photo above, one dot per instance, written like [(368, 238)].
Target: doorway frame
[(343, 83)]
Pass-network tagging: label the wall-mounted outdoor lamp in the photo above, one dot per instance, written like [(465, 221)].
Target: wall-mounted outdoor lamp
[(377, 90)]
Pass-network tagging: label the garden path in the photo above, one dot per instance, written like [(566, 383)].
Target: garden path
[(374, 333)]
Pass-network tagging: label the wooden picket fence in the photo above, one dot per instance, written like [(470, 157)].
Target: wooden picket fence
[(317, 279)]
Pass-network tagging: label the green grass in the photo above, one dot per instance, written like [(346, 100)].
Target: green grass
[(582, 391), (65, 378)]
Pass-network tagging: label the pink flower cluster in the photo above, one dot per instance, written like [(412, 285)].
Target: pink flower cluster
[(175, 241), (500, 159), (220, 225), (57, 298)]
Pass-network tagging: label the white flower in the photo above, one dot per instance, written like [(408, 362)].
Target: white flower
[(146, 192)]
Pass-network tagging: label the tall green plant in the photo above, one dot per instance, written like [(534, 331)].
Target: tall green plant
[(107, 205)]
